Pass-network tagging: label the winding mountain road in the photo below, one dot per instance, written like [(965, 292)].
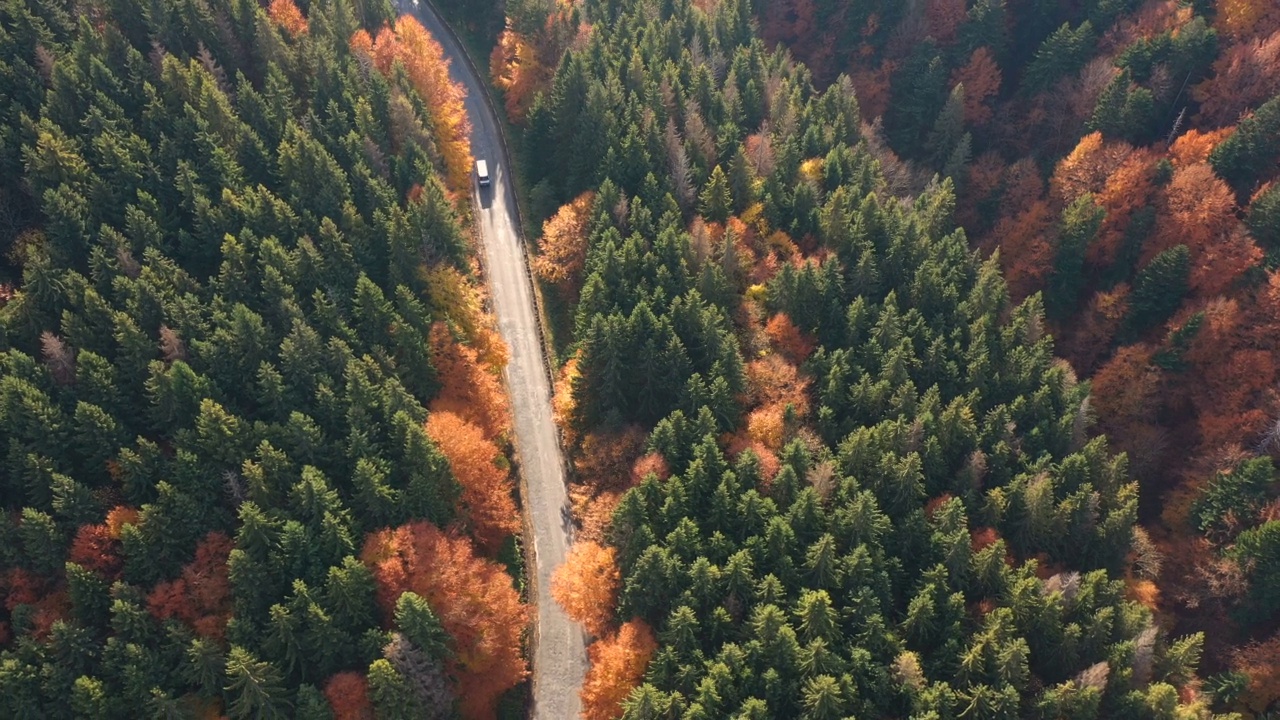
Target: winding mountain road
[(559, 647)]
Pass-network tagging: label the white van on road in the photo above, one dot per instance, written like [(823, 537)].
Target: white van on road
[(482, 173)]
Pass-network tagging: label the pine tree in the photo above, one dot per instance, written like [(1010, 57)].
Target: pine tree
[(1062, 53), (1263, 218), (1158, 290), (1080, 224), (255, 687), (716, 200)]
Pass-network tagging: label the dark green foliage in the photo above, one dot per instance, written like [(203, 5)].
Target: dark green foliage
[(887, 569), (1263, 218), (1158, 290), (1258, 551), (220, 325), (919, 94), (1233, 499), (1062, 53), (1124, 111), (1249, 156), (1080, 223)]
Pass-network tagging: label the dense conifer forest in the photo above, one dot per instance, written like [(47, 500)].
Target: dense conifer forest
[(916, 359), (253, 435), (904, 341)]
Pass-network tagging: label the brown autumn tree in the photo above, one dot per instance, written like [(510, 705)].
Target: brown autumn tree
[(1026, 255), (487, 505), (48, 602), (873, 82), (1148, 21), (618, 664), (1261, 662), (1094, 330), (586, 586), (201, 596), (58, 357), (1245, 75), (985, 175), (477, 605), (94, 548), (1247, 18), (1125, 397), (563, 247), (468, 389), (288, 17), (1236, 372), (348, 696), (943, 17), (793, 23), (605, 459), (981, 79)]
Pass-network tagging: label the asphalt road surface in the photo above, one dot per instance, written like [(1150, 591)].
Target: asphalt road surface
[(559, 648)]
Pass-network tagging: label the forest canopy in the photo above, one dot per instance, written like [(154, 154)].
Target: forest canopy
[(904, 340), (254, 438)]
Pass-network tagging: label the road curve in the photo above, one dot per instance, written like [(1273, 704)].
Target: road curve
[(559, 647)]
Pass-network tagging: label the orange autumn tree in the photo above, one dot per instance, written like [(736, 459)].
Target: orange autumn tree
[(486, 489), (1126, 191), (288, 17), (783, 334), (586, 586), (468, 389), (1245, 18), (1086, 168), (348, 696), (201, 596), (1200, 212), (563, 248), (477, 605), (410, 45), (97, 547), (461, 303), (618, 664), (515, 67), (1195, 146)]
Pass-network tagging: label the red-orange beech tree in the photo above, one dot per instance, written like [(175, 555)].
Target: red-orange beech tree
[(477, 605), (487, 504), (618, 664), (586, 586)]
